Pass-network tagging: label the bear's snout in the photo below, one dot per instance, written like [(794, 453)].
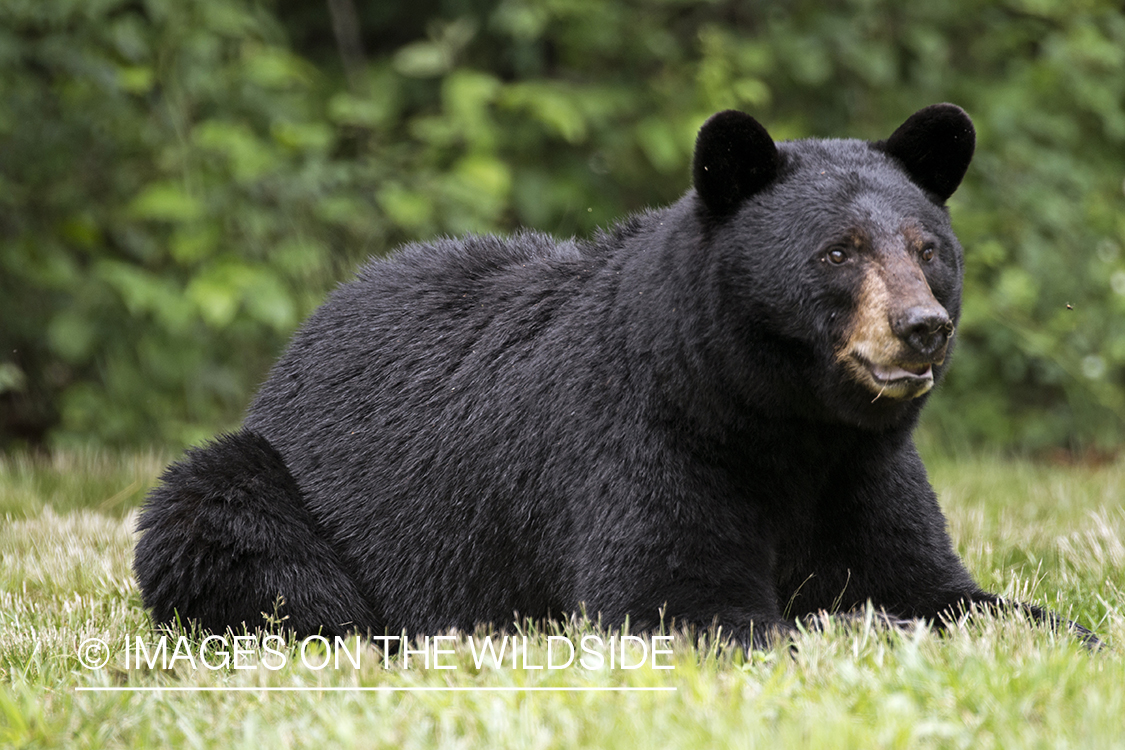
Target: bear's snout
[(925, 329), (898, 333)]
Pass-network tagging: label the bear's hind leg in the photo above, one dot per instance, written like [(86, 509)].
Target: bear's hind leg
[(227, 532)]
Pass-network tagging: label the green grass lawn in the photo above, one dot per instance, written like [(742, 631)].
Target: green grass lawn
[(1048, 534)]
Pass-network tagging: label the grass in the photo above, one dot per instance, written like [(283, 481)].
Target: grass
[(1048, 534)]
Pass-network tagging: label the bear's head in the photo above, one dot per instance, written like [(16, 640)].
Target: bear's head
[(838, 263)]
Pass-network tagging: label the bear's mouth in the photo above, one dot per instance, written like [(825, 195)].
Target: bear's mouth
[(909, 373), (899, 380)]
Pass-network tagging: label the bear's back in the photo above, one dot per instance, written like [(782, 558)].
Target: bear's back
[(432, 393)]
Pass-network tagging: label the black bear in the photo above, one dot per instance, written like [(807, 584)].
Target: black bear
[(703, 415)]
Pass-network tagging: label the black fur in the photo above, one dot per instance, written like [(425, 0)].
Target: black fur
[(227, 532), (734, 158), (935, 146), (651, 422)]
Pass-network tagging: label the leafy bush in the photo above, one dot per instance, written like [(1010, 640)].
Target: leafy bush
[(181, 182)]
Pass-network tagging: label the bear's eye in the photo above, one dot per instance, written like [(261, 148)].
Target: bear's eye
[(837, 255), (927, 253)]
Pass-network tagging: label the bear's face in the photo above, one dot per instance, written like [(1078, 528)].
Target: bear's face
[(898, 330), (841, 257)]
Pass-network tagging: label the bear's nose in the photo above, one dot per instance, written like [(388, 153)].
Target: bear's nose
[(926, 329)]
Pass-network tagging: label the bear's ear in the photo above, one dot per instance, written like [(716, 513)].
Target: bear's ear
[(935, 146), (734, 158)]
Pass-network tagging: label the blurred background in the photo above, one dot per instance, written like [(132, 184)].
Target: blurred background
[(182, 181)]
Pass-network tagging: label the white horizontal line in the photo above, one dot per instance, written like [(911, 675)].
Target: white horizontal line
[(424, 689)]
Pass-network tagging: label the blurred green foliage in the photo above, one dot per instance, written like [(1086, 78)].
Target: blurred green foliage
[(181, 181)]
